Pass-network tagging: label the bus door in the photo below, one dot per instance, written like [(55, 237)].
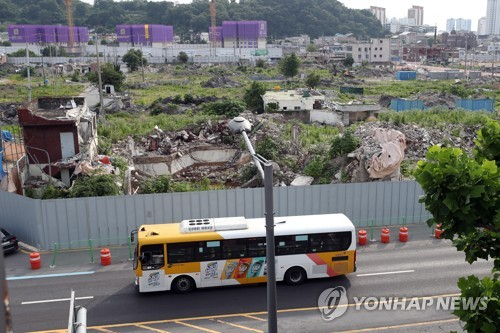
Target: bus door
[(152, 261)]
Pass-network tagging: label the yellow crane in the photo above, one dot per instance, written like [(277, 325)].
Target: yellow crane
[(69, 15), (213, 34)]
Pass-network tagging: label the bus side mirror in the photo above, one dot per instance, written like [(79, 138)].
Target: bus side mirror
[(132, 235)]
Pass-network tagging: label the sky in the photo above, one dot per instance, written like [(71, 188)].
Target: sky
[(436, 12)]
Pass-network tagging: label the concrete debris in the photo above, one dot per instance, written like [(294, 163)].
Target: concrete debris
[(302, 181), (220, 82)]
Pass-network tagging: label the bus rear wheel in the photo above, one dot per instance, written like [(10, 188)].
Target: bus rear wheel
[(183, 284), (295, 276)]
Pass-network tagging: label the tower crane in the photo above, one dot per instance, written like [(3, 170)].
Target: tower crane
[(69, 15), (213, 33)]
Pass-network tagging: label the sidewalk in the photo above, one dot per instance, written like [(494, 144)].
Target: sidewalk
[(67, 262), (83, 260)]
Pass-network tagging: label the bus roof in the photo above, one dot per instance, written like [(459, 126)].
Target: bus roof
[(170, 232)]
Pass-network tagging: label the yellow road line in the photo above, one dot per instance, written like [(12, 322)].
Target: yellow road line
[(103, 330), (371, 329), (197, 327), (237, 325), (151, 329), (252, 317), (243, 314)]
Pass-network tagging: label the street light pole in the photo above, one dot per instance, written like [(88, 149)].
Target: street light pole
[(241, 125)]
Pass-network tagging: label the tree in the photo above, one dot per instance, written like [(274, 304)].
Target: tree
[(348, 61), (253, 97), (183, 57), (22, 53), (289, 65), (312, 80), (49, 51), (463, 195), (311, 48), (134, 58), (110, 74)]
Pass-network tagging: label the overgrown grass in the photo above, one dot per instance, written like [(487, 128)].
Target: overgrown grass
[(310, 135), (15, 88), (437, 117), (121, 125)]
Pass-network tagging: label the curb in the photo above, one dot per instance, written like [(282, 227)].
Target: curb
[(27, 247)]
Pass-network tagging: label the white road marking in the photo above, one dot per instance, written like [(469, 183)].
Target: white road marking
[(13, 278), (56, 300), (387, 273)]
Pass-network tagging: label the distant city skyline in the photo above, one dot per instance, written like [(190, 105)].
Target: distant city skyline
[(436, 12)]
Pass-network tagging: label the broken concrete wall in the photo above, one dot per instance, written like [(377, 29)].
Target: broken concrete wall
[(172, 164)]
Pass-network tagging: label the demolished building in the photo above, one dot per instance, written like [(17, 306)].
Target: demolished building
[(57, 131)]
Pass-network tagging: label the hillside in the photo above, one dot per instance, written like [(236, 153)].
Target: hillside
[(284, 17)]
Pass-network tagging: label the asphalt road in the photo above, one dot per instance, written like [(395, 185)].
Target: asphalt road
[(424, 267)]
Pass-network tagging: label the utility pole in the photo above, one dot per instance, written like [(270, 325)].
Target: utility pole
[(142, 59), (102, 113), (28, 72)]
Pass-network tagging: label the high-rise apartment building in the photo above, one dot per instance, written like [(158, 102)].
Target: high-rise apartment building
[(458, 25), (481, 26), (416, 15), (493, 17), (379, 13)]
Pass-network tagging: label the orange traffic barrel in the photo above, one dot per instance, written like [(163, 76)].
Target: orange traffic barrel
[(105, 257), (385, 236), (35, 260), (403, 234), (437, 231), (362, 237)]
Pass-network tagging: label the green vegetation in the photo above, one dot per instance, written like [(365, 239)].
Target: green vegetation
[(437, 117), (134, 59), (344, 143), (110, 74), (165, 184), (183, 57), (289, 65), (312, 80), (120, 126), (253, 97), (462, 194)]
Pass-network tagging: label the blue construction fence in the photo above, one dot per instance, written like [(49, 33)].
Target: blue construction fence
[(406, 75), (486, 104), (476, 104), (406, 104), (352, 90)]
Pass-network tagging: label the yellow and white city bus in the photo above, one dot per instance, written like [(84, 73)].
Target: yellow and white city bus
[(228, 251)]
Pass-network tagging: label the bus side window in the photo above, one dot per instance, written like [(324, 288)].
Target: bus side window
[(257, 247), (210, 250)]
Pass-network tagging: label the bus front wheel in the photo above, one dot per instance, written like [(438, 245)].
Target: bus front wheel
[(183, 284), (295, 276)]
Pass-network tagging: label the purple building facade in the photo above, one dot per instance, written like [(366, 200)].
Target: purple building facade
[(144, 34), (246, 34), (33, 34)]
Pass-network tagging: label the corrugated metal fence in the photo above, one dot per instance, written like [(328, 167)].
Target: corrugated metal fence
[(72, 223)]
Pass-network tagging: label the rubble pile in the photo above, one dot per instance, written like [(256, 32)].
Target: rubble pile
[(374, 72), (418, 141), (8, 112), (220, 82), (432, 99)]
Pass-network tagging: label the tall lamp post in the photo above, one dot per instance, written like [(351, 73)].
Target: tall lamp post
[(241, 125)]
